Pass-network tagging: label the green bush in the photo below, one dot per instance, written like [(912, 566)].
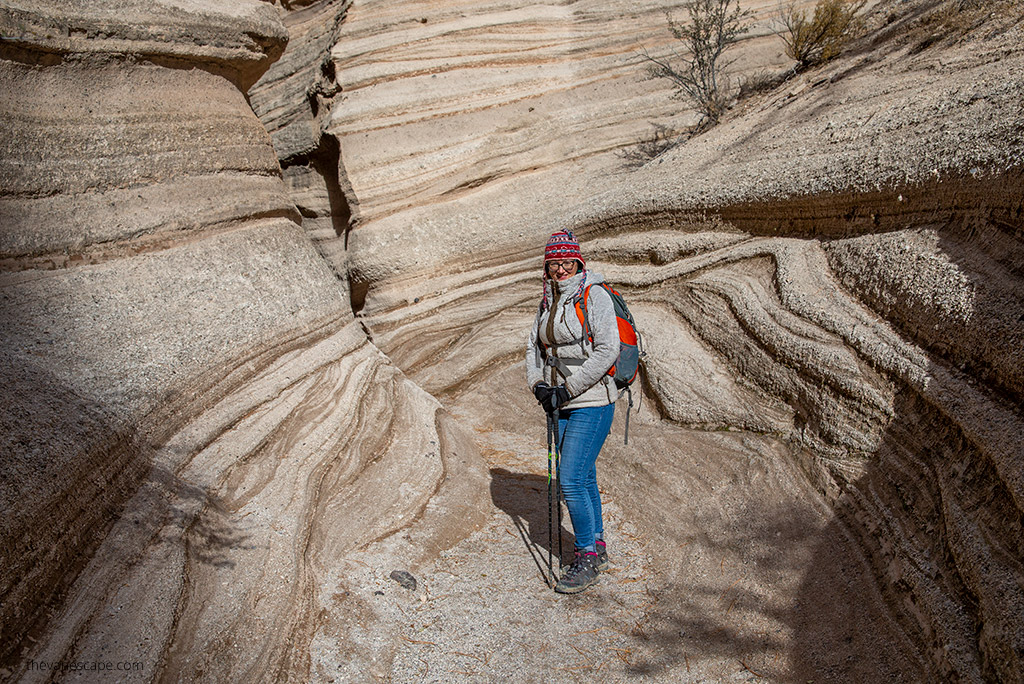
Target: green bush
[(816, 40)]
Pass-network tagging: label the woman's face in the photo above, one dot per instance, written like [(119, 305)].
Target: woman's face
[(563, 270)]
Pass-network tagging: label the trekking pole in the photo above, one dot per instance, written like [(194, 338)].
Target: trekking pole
[(550, 577), (558, 493)]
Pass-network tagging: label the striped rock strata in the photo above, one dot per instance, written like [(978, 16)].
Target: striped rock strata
[(206, 458), (192, 420), (837, 264)]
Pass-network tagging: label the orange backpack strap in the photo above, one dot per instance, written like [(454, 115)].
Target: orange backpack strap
[(581, 313)]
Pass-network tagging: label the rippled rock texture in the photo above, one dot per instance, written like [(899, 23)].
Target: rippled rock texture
[(838, 265), (206, 454), (193, 421)]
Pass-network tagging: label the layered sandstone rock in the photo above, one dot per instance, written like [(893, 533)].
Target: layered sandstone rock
[(212, 470), (837, 264), (191, 415), (294, 100)]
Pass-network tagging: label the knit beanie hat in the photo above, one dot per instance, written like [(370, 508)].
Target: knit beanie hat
[(562, 246)]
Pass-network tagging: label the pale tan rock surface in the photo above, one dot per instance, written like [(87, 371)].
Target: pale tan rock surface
[(195, 430), (211, 467), (294, 100), (867, 308)]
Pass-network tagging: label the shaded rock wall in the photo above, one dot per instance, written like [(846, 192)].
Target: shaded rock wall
[(94, 169), (192, 420)]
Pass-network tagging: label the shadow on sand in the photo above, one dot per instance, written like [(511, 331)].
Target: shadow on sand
[(524, 498)]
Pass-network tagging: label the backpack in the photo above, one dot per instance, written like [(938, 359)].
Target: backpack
[(627, 365)]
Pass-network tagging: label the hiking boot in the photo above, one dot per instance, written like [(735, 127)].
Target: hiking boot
[(602, 555), (580, 575)]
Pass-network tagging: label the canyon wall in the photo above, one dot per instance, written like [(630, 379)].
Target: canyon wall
[(191, 414), (837, 264), (266, 273)]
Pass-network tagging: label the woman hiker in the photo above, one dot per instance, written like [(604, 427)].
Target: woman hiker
[(568, 373)]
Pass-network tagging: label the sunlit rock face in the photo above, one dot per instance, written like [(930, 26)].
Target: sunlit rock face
[(205, 457), (837, 264), (454, 114)]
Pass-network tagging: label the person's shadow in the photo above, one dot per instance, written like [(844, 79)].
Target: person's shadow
[(524, 497)]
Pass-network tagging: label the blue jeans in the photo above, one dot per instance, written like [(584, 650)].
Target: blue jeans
[(582, 432)]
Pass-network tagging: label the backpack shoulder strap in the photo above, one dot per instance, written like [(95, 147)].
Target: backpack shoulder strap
[(581, 313)]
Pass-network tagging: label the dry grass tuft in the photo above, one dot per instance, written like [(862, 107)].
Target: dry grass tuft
[(955, 19), (658, 142)]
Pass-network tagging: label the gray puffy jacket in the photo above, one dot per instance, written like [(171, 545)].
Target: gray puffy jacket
[(558, 328)]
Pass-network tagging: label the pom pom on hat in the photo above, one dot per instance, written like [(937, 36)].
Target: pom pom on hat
[(561, 246)]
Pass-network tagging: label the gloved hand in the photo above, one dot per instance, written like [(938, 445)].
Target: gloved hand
[(558, 398), (542, 391)]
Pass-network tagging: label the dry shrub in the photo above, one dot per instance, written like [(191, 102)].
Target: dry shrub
[(700, 75), (955, 19), (816, 40), (762, 81)]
